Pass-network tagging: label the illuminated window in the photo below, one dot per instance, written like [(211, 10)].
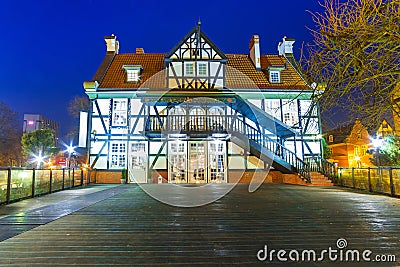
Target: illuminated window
[(118, 155), (189, 70), (330, 138), (132, 76), (274, 76), (133, 73), (202, 69), (357, 151), (119, 112)]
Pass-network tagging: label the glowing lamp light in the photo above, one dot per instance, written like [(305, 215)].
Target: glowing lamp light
[(70, 149), (31, 123), (377, 142), (357, 158)]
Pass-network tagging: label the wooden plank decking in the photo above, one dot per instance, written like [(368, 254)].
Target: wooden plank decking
[(122, 225)]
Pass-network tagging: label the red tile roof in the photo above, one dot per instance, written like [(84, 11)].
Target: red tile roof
[(241, 72)]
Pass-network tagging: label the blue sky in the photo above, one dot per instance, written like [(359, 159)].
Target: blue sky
[(50, 47)]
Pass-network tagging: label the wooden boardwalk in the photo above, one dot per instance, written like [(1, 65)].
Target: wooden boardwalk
[(121, 225)]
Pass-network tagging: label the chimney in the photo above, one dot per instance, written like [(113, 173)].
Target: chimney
[(255, 51), (139, 50), (112, 44), (286, 46)]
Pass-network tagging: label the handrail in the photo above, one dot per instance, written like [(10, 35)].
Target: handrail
[(321, 165), (215, 123)]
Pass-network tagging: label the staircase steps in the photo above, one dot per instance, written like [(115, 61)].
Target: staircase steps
[(318, 179)]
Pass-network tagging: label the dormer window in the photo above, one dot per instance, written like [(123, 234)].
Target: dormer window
[(274, 76), (133, 73), (330, 138)]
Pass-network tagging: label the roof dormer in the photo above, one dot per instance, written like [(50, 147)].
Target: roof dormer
[(275, 73), (133, 73)]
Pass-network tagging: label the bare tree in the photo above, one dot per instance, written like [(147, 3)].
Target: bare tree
[(10, 137), (355, 55), (77, 104)]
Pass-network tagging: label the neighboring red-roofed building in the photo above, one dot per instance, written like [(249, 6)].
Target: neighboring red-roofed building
[(349, 145), (198, 115)]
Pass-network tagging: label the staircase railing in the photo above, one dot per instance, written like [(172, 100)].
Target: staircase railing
[(213, 123), (321, 165)]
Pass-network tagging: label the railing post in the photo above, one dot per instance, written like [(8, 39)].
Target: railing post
[(63, 180), (352, 177), (51, 180), (33, 182), (369, 180), (81, 177), (392, 193), (8, 185), (73, 177)]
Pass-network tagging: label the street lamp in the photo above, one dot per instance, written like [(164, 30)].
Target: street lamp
[(70, 150), (377, 143), (39, 159)]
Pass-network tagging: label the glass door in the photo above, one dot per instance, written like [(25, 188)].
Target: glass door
[(138, 162), (197, 162), (217, 161), (177, 161)]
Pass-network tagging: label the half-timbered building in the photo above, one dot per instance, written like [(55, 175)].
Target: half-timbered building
[(198, 115)]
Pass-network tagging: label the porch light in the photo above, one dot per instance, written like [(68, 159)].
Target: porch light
[(220, 136), (177, 136)]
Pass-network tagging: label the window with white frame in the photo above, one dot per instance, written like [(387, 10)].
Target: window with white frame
[(119, 112), (290, 112), (202, 69), (118, 155), (132, 76), (273, 107), (189, 69), (274, 76), (133, 73)]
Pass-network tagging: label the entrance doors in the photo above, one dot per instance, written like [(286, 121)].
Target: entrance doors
[(177, 163), (197, 161), (138, 162), (217, 161)]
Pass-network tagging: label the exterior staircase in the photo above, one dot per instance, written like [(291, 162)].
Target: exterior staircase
[(318, 179)]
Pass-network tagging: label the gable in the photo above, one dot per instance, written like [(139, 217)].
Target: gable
[(195, 46)]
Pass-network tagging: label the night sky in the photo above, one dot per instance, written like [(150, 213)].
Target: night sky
[(50, 47)]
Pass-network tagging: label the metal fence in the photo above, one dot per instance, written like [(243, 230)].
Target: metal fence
[(17, 184), (384, 180)]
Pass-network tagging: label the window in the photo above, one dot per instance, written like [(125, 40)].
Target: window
[(330, 138), (288, 119), (133, 73), (356, 150), (364, 150), (189, 70), (202, 69), (119, 112), (132, 76), (274, 76), (118, 155)]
